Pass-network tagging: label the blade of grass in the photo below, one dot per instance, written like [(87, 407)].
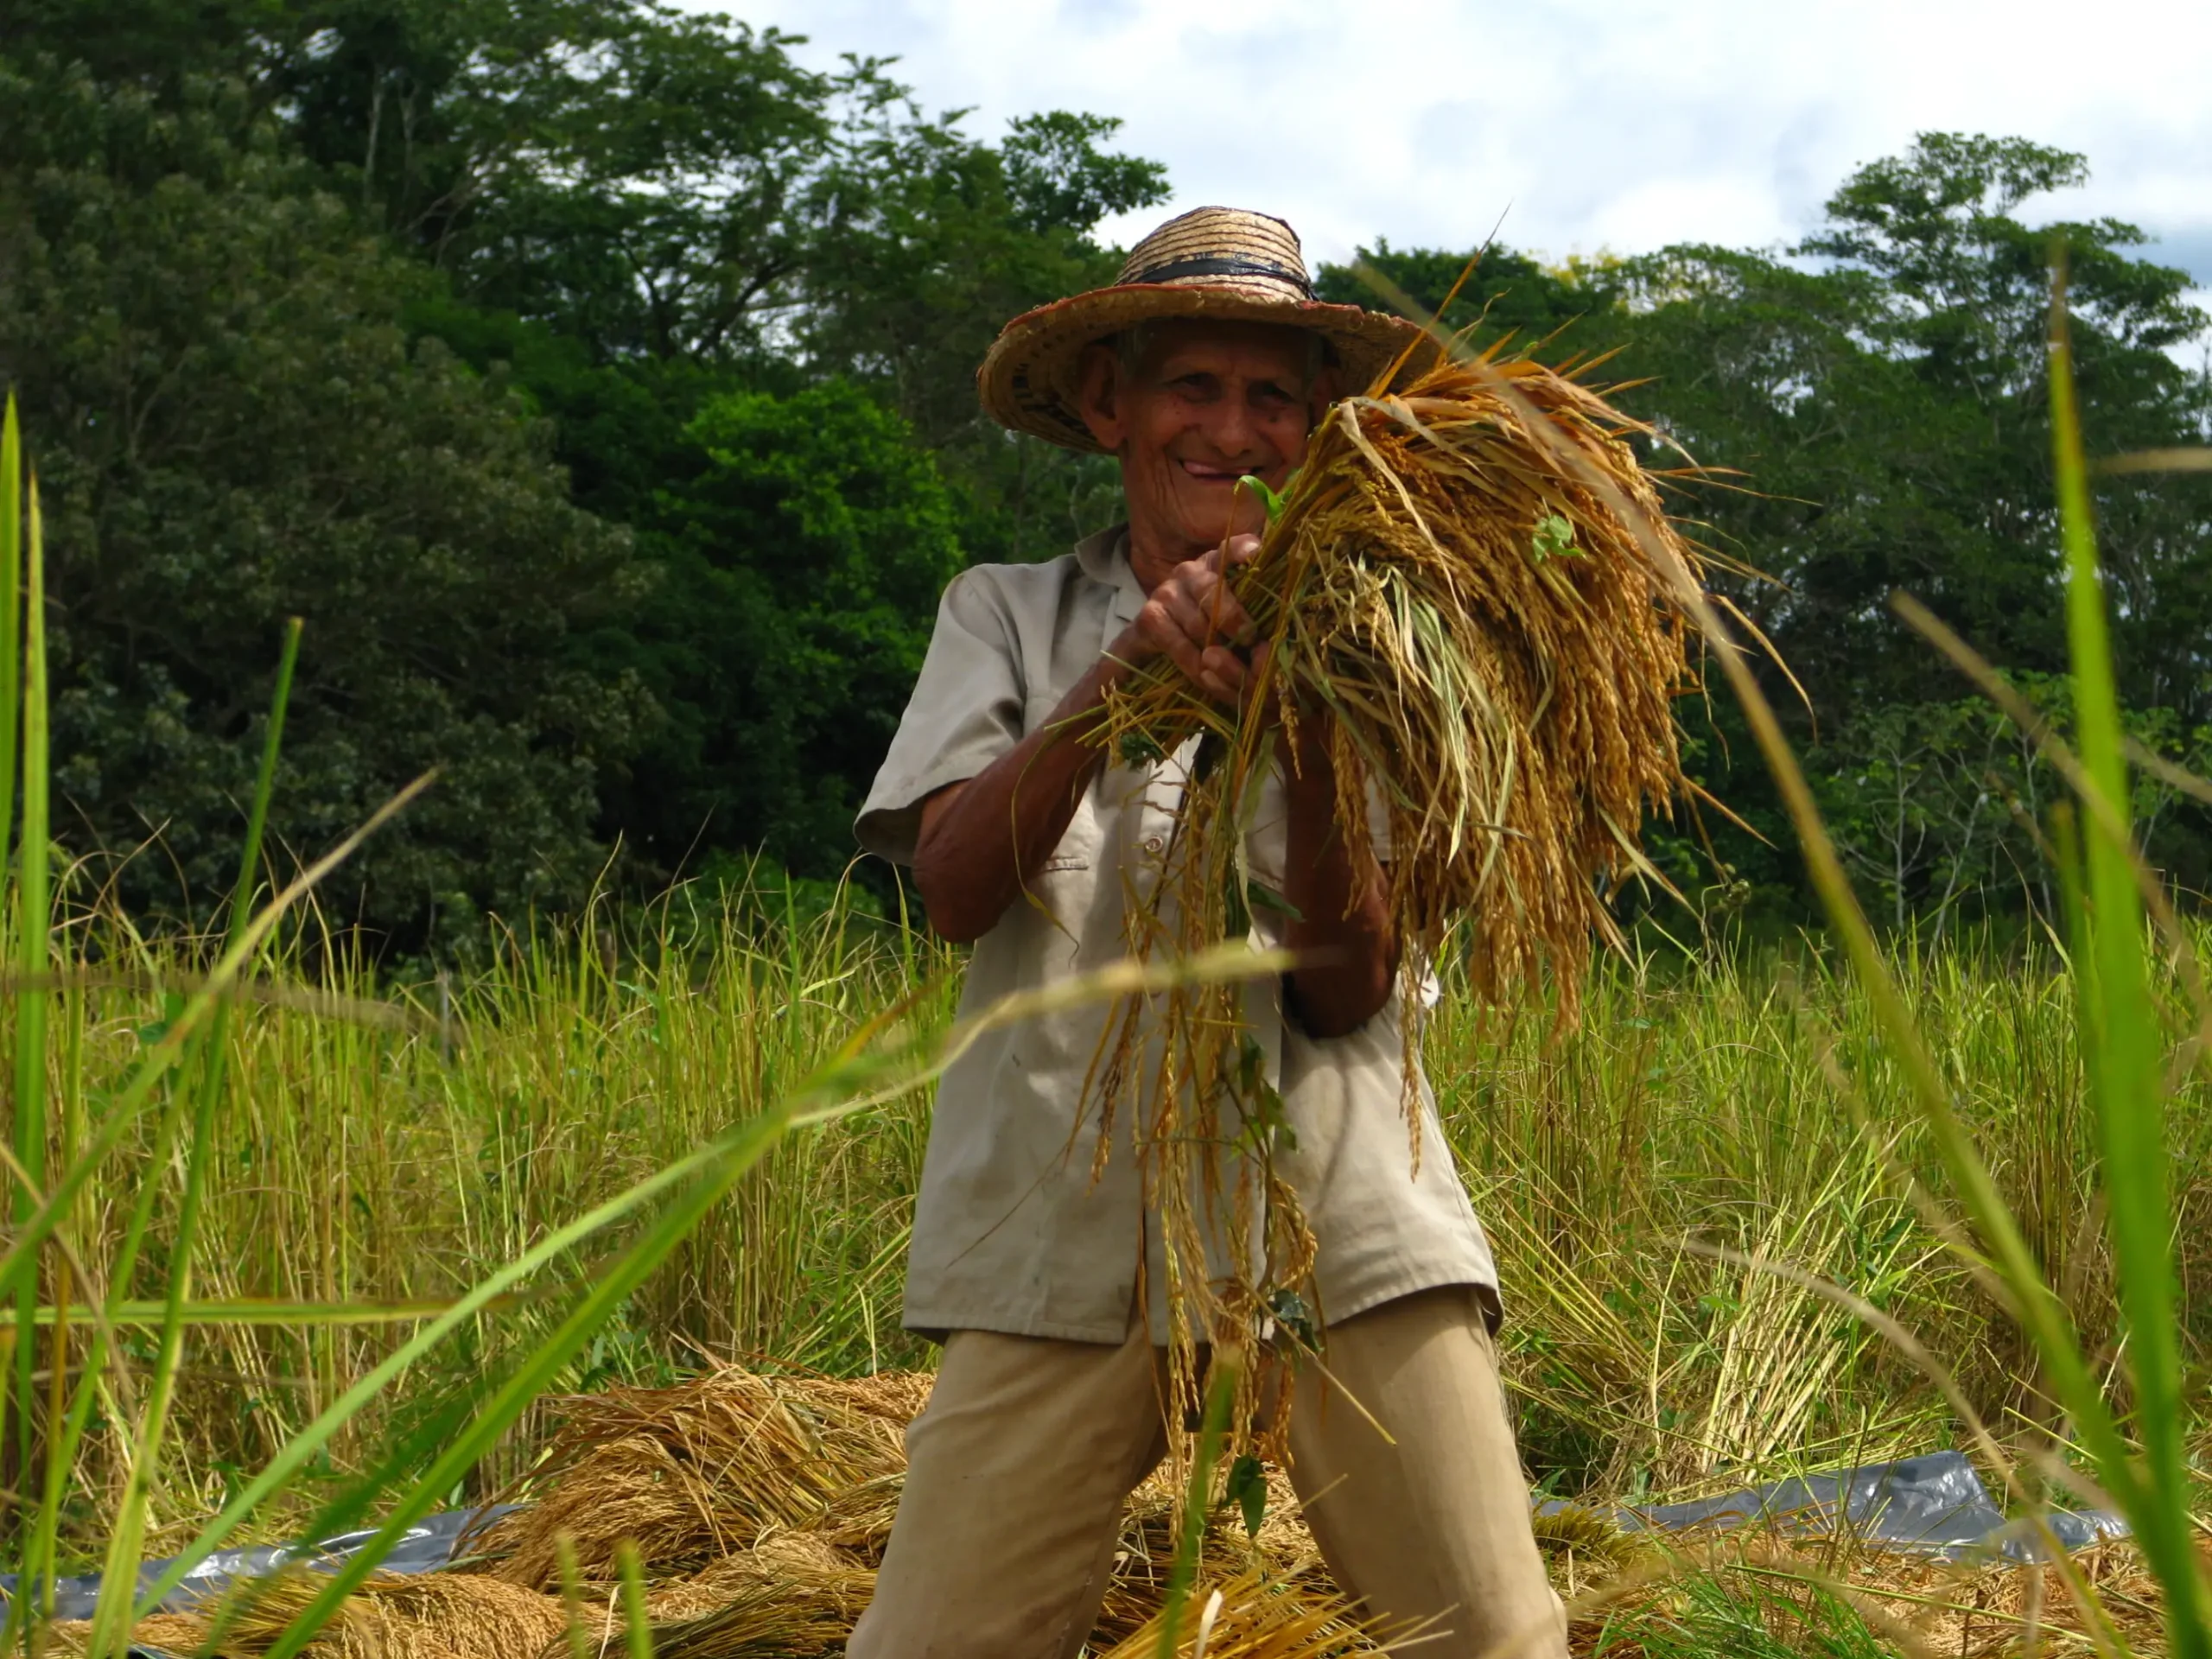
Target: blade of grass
[(11, 563), (33, 924), (11, 611), (572, 1597), (2158, 460), (1198, 1498), (2123, 1048), (251, 1311), (637, 1626), (125, 1540)]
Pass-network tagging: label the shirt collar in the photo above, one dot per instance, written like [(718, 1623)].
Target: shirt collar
[(1105, 557)]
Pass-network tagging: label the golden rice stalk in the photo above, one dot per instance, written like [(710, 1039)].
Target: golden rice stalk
[(792, 1597), (392, 1615), (705, 1469), (1257, 1615), (1501, 657)]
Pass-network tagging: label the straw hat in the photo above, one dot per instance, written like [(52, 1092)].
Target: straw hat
[(1221, 262)]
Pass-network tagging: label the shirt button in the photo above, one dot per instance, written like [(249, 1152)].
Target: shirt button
[(1152, 843)]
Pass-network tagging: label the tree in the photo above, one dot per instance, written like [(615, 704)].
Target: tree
[(234, 427), (803, 564), (1881, 394)]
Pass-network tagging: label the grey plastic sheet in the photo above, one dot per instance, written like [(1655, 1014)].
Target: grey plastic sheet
[(1935, 1503), (425, 1547)]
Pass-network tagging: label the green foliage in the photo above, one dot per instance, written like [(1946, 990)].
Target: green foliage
[(1743, 1615), (234, 428), (803, 564), (1505, 295), (523, 350), (1938, 805)]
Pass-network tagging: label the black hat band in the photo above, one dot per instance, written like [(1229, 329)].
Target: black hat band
[(1221, 265)]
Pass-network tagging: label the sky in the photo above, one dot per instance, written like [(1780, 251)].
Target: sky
[(1570, 126)]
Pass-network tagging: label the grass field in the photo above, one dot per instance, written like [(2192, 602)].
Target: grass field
[(1741, 1103)]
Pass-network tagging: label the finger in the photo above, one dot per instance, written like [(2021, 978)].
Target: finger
[(1241, 549), (1232, 621), (1222, 673), (1222, 616), (1188, 609), (1226, 618), (1168, 623)]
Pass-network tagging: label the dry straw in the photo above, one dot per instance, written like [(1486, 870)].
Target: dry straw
[(795, 1592), (708, 1469)]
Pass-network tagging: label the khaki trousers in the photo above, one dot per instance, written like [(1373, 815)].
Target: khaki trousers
[(1017, 1471)]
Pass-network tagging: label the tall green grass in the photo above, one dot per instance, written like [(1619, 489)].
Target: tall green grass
[(383, 1168)]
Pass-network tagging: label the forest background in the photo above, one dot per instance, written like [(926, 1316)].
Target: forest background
[(597, 382)]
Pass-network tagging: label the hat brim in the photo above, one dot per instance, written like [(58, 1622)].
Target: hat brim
[(1032, 378)]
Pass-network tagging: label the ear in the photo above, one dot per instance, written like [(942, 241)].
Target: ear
[(1099, 401)]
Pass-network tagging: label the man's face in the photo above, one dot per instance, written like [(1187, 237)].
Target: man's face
[(1207, 403)]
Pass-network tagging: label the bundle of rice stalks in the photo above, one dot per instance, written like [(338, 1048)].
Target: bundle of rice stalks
[(1474, 584), (804, 1565), (1256, 1615), (1583, 1547), (705, 1469), (793, 1597), (392, 1615), (1476, 579)]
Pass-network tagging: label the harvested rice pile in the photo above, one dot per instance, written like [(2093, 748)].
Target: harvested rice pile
[(753, 1551), (1478, 580)]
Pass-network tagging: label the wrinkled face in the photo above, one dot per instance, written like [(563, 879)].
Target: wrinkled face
[(1204, 404)]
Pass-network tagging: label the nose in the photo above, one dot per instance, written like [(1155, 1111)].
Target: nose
[(1232, 430)]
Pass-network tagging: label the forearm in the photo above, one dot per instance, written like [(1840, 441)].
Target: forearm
[(1344, 938), (982, 841)]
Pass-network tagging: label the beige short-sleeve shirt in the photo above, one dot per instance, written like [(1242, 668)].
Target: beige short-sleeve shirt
[(1012, 1232)]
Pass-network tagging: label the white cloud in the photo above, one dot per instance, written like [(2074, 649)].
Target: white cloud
[(1588, 125)]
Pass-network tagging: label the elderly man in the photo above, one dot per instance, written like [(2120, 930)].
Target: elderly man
[(1208, 360)]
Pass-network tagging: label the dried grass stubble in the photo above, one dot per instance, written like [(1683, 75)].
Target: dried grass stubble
[(392, 1616), (1509, 693), (723, 1482), (706, 1470)]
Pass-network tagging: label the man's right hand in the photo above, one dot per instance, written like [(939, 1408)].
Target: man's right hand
[(1194, 620), (982, 841)]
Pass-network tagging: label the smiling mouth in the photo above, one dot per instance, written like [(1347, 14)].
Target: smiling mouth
[(1200, 470)]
